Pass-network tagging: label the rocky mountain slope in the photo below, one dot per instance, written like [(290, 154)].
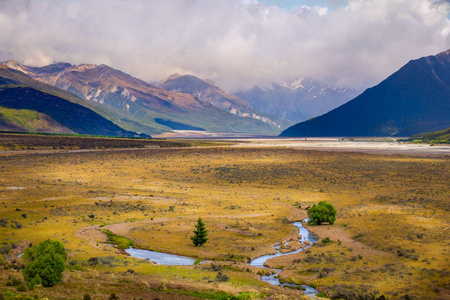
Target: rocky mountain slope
[(25, 106), (217, 97), (298, 100), (141, 106), (414, 99)]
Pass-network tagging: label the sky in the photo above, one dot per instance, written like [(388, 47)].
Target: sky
[(236, 43)]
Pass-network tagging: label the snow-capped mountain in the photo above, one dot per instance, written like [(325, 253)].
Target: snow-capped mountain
[(299, 99)]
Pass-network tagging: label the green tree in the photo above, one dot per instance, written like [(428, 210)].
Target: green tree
[(46, 262), (200, 233), (321, 213)]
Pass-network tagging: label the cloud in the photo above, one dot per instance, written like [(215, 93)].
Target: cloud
[(237, 43)]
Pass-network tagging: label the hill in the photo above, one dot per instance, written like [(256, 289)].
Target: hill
[(435, 137), (36, 111), (414, 99)]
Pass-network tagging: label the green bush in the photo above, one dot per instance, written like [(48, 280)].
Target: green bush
[(46, 262), (326, 240), (322, 213)]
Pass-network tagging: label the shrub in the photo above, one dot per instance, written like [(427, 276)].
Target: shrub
[(113, 297), (6, 249), (321, 213), (222, 277), (46, 262), (326, 240), (13, 281), (87, 297)]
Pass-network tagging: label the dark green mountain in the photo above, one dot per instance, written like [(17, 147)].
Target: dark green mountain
[(29, 105), (75, 117), (414, 99)]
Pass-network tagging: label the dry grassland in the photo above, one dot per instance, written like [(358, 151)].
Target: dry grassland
[(390, 237)]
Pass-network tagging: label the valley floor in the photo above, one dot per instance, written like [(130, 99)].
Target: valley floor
[(390, 237)]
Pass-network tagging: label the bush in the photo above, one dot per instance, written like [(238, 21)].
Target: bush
[(6, 249), (113, 297), (321, 213), (326, 240), (46, 262), (222, 277)]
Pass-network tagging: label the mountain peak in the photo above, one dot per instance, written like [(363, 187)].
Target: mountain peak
[(83, 67), (174, 76), (14, 64), (412, 100)]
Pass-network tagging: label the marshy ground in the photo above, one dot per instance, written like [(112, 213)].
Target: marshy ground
[(390, 237)]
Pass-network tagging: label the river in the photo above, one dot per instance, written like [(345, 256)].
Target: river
[(177, 260)]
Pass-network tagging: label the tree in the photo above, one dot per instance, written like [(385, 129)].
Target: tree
[(200, 233), (321, 213), (46, 262)]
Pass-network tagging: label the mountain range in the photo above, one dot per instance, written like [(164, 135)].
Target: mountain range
[(211, 93), (100, 100), (298, 100), (27, 105), (414, 99), (138, 106)]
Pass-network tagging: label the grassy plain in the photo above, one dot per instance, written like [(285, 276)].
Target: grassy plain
[(390, 237)]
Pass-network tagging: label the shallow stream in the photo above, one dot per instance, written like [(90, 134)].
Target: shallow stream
[(177, 260)]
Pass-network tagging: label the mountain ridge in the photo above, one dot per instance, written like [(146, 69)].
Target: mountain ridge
[(414, 99), (298, 100), (137, 104), (211, 93)]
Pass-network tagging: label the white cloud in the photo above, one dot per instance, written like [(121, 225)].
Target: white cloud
[(237, 43)]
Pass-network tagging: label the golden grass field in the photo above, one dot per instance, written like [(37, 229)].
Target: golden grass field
[(390, 237)]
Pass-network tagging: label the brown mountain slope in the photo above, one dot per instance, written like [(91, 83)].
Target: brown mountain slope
[(153, 109), (217, 97)]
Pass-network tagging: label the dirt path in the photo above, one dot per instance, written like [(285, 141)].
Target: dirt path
[(93, 236), (337, 233)]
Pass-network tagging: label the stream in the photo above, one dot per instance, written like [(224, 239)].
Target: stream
[(178, 260)]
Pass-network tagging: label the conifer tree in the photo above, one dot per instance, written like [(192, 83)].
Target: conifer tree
[(200, 233)]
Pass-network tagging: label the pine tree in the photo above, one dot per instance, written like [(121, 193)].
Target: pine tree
[(200, 234)]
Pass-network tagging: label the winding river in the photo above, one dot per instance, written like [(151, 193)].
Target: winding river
[(177, 260)]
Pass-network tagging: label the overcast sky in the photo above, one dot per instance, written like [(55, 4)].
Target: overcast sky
[(236, 43)]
